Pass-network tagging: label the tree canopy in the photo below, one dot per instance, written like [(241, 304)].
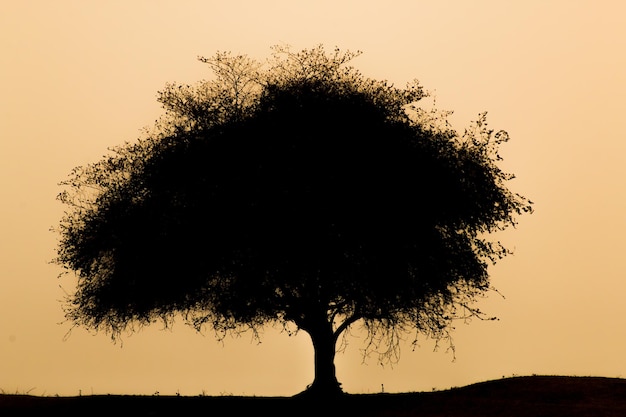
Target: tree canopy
[(294, 191)]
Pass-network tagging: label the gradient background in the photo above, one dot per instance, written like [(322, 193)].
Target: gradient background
[(77, 77)]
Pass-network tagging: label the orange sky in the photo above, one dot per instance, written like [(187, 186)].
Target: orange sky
[(77, 77)]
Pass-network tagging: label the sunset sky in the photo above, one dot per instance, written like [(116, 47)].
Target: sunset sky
[(78, 77)]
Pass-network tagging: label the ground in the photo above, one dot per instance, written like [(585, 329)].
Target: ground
[(536, 396)]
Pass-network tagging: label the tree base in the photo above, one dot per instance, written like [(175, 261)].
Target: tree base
[(321, 390)]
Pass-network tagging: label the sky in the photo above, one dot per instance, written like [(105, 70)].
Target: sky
[(79, 77)]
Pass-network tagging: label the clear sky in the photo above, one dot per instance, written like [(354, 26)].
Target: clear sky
[(77, 77)]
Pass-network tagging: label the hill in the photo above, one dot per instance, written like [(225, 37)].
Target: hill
[(536, 396)]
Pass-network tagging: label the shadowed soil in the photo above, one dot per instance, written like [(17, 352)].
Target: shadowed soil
[(536, 396)]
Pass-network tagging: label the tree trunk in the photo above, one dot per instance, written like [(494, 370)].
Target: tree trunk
[(325, 382)]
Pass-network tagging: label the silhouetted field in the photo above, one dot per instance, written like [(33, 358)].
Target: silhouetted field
[(534, 396)]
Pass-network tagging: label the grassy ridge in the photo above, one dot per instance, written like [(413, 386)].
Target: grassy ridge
[(535, 396)]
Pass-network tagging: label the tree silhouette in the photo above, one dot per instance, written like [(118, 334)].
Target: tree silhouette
[(294, 191)]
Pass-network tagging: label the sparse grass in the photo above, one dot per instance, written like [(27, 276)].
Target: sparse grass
[(17, 392), (536, 396)]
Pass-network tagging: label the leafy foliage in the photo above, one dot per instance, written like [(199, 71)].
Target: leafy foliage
[(291, 191)]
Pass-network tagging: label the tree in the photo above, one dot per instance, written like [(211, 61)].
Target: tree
[(295, 191)]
